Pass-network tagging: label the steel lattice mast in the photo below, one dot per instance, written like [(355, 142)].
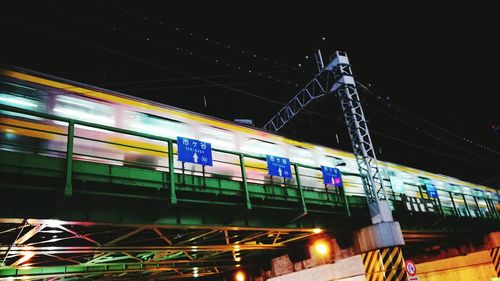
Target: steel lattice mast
[(337, 77)]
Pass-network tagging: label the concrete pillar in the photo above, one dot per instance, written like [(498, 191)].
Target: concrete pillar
[(495, 258), (385, 264), (493, 243), (379, 245)]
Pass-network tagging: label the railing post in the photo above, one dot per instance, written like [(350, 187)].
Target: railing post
[(171, 171), (299, 187), (420, 191), (453, 202), (478, 207), (440, 206), (466, 206), (248, 203), (490, 209), (346, 201), (494, 205), (494, 208), (68, 188)]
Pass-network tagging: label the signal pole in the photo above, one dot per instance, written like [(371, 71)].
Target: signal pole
[(384, 234)]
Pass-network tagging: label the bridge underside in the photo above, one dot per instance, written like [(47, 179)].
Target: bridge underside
[(119, 222)]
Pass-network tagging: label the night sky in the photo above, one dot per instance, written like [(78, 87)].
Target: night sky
[(432, 71)]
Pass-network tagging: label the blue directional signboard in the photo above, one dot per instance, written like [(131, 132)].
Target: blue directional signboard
[(431, 190), (279, 166), (331, 176), (194, 151)]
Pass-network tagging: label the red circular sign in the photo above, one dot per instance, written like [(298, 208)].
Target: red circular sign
[(411, 268)]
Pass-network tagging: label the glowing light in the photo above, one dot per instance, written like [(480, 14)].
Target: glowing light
[(17, 101), (26, 257), (236, 247), (237, 259), (195, 275), (317, 230), (240, 276), (321, 247), (74, 101), (238, 265), (54, 223), (80, 115)]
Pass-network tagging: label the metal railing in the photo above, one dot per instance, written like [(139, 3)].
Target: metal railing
[(293, 188)]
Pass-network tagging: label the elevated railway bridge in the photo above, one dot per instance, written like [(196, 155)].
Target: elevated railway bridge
[(70, 214)]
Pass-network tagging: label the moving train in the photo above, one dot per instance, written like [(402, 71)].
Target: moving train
[(37, 92)]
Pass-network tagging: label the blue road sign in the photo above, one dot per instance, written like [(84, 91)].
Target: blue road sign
[(194, 151), (431, 190), (331, 176), (279, 166)]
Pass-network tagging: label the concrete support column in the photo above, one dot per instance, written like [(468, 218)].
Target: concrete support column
[(495, 258), (379, 245), (493, 243), (384, 265)]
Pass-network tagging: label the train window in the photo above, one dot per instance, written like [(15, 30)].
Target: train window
[(466, 190), (440, 184), (301, 155), (422, 181), (21, 90), (397, 184), (84, 110), (454, 188), (217, 137), (155, 125), (408, 178), (262, 147), (477, 192)]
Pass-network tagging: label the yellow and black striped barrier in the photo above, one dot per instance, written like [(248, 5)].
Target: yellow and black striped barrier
[(495, 256), (385, 265)]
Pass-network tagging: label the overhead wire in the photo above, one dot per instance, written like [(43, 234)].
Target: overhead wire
[(138, 59), (133, 82), (192, 52), (384, 112), (145, 61), (392, 105), (192, 35)]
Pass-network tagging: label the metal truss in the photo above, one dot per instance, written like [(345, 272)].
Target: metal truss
[(316, 88), (337, 77), (58, 250), (366, 159)]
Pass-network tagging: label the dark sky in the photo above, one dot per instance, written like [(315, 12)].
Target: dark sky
[(431, 70)]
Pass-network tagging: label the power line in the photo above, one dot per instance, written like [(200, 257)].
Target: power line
[(194, 35), (129, 82), (462, 138), (138, 59), (377, 132), (426, 133), (193, 86), (190, 52), (145, 61)]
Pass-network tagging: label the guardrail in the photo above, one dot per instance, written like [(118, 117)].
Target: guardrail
[(179, 176)]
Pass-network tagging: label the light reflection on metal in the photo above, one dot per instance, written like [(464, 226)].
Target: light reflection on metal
[(189, 247), (317, 230)]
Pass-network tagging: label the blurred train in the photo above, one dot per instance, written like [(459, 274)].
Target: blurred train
[(55, 96)]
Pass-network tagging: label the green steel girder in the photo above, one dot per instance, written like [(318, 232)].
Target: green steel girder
[(57, 249), (105, 193), (124, 222)]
